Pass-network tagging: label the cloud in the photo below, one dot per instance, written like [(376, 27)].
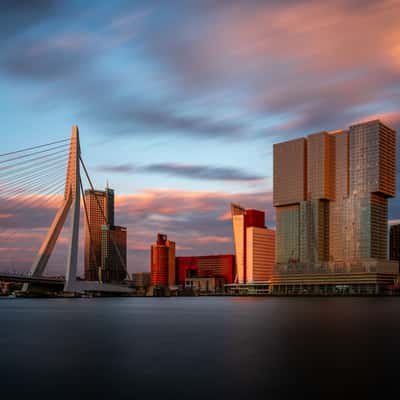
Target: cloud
[(280, 68), (304, 64), (213, 239), (202, 172), (71, 65), (191, 171), (29, 211), (190, 218), (135, 116), (17, 16), (121, 168)]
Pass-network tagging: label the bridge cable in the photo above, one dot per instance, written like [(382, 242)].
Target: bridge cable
[(34, 147)]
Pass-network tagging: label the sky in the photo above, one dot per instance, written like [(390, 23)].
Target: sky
[(178, 103)]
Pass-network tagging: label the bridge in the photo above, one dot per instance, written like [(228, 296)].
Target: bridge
[(33, 176), (28, 278)]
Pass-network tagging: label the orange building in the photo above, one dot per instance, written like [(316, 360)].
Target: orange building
[(163, 262), (254, 245)]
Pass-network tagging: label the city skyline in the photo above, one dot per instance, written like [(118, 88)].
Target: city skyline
[(180, 136)]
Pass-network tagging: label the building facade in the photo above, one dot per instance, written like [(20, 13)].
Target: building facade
[(99, 206), (113, 254), (254, 245), (162, 262), (221, 265), (205, 284), (141, 279), (394, 246), (331, 194), (105, 243), (260, 254)]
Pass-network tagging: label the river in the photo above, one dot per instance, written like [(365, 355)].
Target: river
[(199, 348)]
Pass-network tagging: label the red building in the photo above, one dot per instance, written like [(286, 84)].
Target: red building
[(163, 262), (255, 218), (205, 266)]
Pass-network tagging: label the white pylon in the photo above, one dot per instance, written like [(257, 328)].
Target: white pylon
[(71, 200)]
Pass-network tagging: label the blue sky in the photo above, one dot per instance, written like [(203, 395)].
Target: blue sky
[(179, 102)]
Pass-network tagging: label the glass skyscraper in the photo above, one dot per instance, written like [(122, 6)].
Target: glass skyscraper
[(331, 194), (105, 243)]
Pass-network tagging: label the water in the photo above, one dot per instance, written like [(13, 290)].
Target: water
[(199, 348)]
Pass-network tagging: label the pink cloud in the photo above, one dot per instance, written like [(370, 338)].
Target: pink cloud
[(4, 216), (198, 221), (225, 216), (317, 36), (213, 239)]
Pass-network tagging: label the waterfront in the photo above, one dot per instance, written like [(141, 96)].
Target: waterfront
[(189, 348)]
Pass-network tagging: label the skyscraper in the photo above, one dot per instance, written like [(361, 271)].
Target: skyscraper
[(331, 193), (254, 245), (105, 244), (163, 262), (113, 253)]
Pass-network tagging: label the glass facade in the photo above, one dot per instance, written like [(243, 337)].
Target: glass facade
[(113, 253), (290, 172), (288, 234), (395, 242), (100, 211), (320, 166), (343, 219)]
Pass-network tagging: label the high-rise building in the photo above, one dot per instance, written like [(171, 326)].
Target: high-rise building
[(163, 262), (105, 243), (254, 245), (331, 194), (394, 247), (221, 265), (113, 253)]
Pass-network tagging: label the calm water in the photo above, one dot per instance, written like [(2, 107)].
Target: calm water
[(198, 348)]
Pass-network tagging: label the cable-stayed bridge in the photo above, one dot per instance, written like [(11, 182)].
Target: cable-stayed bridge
[(35, 182)]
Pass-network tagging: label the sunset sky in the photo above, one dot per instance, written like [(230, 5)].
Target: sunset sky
[(179, 102)]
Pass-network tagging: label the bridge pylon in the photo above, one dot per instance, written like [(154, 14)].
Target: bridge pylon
[(71, 201)]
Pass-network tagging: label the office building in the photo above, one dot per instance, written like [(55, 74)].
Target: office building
[(254, 245), (105, 243), (113, 253), (163, 262), (394, 247), (331, 194), (218, 266)]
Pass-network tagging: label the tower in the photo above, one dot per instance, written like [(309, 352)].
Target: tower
[(254, 245), (71, 201), (163, 262), (100, 211)]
